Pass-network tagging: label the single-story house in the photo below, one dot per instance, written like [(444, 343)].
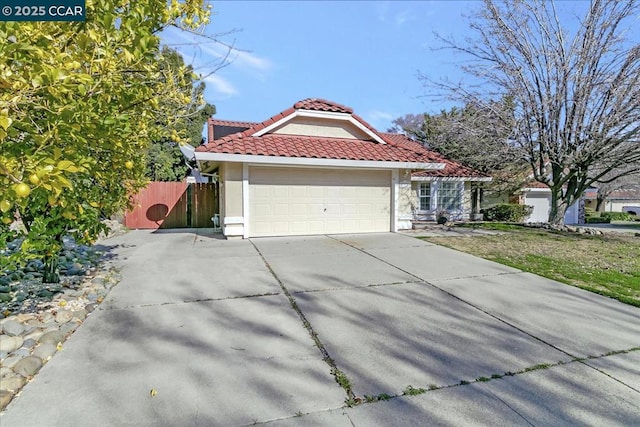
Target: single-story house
[(617, 201), (318, 168)]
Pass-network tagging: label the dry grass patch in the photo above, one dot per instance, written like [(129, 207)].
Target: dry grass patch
[(608, 265)]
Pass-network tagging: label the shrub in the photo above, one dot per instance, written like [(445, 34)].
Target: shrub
[(507, 212), (597, 220), (616, 216)]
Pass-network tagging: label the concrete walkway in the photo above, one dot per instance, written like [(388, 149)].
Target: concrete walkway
[(243, 332)]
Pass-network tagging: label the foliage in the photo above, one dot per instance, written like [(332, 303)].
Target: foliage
[(576, 96), (597, 220), (616, 216), (165, 162), (507, 212), (79, 103)]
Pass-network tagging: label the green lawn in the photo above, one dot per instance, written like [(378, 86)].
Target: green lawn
[(608, 265)]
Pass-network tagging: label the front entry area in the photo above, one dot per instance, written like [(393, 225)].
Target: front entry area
[(299, 201)]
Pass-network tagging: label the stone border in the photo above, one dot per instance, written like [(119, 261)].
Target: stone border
[(29, 340)]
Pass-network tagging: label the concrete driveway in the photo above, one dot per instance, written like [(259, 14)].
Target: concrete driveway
[(257, 331)]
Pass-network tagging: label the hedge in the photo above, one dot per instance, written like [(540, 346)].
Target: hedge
[(507, 212), (616, 216)]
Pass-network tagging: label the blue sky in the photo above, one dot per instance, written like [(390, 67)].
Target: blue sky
[(366, 55)]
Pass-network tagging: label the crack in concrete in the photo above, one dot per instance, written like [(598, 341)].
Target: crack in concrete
[(573, 357), (160, 304), (335, 371)]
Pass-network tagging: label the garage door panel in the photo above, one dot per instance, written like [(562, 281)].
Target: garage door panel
[(295, 201)]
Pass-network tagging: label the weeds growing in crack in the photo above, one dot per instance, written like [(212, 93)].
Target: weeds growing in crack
[(483, 379), (538, 367), (463, 382), (412, 391), (496, 376), (433, 387)]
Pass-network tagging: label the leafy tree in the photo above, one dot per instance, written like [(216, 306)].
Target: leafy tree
[(165, 162), (79, 103), (576, 95)]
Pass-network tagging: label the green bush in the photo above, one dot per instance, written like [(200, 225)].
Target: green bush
[(616, 216), (507, 212), (588, 212), (597, 220)]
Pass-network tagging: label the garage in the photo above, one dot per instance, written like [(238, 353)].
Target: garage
[(541, 204), (287, 201)]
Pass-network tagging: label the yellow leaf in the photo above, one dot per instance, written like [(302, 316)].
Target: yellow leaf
[(153, 392), (5, 122), (64, 164)]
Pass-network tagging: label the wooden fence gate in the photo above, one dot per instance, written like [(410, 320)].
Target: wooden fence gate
[(173, 205)]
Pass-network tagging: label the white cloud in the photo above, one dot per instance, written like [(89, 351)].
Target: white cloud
[(222, 86), (205, 51)]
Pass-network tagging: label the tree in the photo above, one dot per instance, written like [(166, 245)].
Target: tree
[(576, 95), (80, 102), (473, 135), (165, 162)]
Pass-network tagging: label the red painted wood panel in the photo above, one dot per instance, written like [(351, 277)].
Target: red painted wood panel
[(160, 205)]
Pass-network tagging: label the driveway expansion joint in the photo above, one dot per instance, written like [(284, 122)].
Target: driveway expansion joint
[(340, 377), (460, 299), (161, 304)]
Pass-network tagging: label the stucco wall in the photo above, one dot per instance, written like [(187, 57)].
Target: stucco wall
[(406, 200), (232, 212), (321, 127)]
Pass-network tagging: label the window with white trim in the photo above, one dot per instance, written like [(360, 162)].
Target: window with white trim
[(424, 195), (449, 196)]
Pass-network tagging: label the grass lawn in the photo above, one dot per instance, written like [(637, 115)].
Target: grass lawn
[(608, 265)]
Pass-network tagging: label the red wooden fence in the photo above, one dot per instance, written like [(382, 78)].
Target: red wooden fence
[(173, 205)]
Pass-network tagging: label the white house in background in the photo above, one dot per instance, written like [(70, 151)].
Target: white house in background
[(538, 196), (318, 168)]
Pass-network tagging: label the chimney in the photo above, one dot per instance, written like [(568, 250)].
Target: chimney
[(210, 130)]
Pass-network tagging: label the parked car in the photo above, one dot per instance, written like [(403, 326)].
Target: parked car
[(632, 210)]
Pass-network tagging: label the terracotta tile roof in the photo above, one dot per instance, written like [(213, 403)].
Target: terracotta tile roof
[(231, 123), (315, 147), (318, 104), (452, 169), (397, 148)]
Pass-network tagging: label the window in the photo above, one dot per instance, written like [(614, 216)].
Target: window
[(449, 196), (424, 194)]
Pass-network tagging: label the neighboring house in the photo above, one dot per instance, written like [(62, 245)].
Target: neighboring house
[(616, 201), (538, 195), (318, 168)]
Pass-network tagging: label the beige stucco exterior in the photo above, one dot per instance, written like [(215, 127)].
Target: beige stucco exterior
[(312, 126)]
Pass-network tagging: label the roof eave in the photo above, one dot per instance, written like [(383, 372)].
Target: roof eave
[(452, 178), (312, 161)]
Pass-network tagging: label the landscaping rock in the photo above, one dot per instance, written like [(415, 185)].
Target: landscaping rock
[(28, 366), (64, 316), (12, 382), (5, 398), (52, 337), (45, 351), (9, 343), (10, 361), (13, 327)]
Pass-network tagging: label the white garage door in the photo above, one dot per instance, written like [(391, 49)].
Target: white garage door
[(541, 206), (299, 201)]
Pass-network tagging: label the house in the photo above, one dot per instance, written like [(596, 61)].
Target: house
[(538, 196), (318, 168), (620, 200)]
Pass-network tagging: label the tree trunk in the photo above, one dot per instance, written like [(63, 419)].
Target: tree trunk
[(51, 269), (558, 207), (600, 203)]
